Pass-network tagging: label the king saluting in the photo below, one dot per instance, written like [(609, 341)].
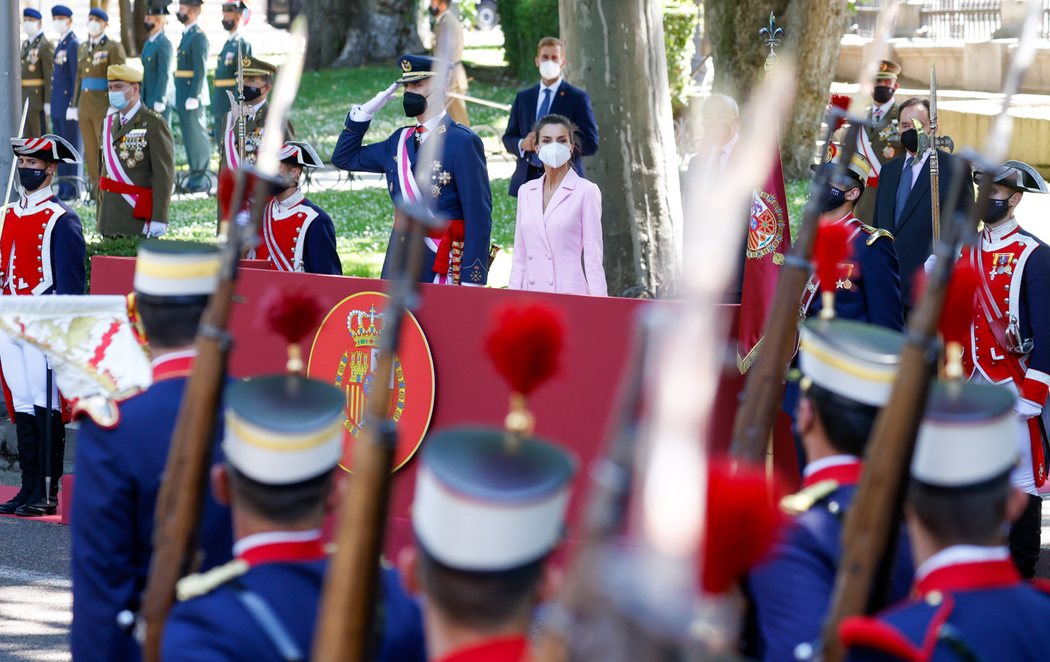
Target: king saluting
[(457, 188)]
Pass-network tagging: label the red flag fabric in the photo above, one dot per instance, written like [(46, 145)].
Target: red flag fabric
[(768, 241)]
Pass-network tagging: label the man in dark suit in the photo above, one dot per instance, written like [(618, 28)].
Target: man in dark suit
[(553, 94), (902, 204)]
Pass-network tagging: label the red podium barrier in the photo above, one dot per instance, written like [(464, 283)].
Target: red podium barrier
[(573, 409)]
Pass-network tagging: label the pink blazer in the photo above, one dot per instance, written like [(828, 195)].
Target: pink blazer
[(560, 249)]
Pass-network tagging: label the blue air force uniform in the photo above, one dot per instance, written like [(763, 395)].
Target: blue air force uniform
[(63, 87)]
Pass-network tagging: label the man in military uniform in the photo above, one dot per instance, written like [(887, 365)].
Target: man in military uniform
[(881, 141), (283, 441), (158, 91), (38, 56), (191, 91), (969, 602), (1010, 340), (848, 370), (869, 287), (41, 252), (235, 49), (63, 91), (459, 184), (296, 234), (92, 100), (138, 162), (119, 469), (448, 43)]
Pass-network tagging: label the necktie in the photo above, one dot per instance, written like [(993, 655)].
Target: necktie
[(545, 107), (903, 189), (420, 130)]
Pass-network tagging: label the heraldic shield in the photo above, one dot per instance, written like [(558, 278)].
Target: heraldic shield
[(345, 352)]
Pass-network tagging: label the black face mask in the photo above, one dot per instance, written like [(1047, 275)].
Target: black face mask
[(31, 179), (227, 25), (434, 11), (251, 93), (183, 17), (833, 199), (415, 104), (882, 93), (995, 210), (910, 140)]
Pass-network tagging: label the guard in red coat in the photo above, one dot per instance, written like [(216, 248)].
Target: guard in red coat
[(41, 252), (1010, 337), (969, 602), (296, 234)]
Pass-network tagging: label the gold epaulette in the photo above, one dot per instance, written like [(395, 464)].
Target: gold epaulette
[(196, 585), (803, 500), (875, 233)]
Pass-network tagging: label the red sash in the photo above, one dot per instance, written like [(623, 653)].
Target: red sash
[(449, 254), (143, 208)]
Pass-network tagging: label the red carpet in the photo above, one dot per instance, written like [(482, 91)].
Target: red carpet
[(9, 491)]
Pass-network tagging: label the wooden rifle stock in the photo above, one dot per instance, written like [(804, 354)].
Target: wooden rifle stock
[(346, 622)]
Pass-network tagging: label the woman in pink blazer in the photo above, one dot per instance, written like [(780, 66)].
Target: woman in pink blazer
[(558, 236)]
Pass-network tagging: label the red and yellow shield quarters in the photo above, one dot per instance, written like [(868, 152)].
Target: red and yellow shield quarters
[(345, 352)]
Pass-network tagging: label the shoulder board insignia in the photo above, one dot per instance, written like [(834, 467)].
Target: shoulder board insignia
[(875, 233), (198, 584), (802, 501)]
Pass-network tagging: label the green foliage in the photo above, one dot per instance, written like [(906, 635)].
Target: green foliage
[(796, 198), (524, 23), (680, 20)]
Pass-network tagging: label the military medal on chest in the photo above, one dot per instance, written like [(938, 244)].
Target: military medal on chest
[(440, 177), (846, 273), (132, 147), (1002, 263), (34, 57)]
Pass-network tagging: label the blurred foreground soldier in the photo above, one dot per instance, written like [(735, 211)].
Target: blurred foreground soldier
[(158, 58), (63, 93), (296, 234), (552, 95), (879, 143), (236, 46), (489, 509), (119, 469), (41, 252), (1010, 340), (92, 101), (869, 285), (969, 602), (38, 56), (138, 162), (448, 42), (848, 371), (191, 92), (459, 182), (283, 441)]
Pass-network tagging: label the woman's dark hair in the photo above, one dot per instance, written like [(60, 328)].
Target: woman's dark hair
[(561, 120)]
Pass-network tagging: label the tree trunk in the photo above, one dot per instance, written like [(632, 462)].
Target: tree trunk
[(812, 35), (616, 52), (349, 33), (132, 35)]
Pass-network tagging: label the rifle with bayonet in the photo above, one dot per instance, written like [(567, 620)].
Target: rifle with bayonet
[(935, 161), (241, 107), (870, 527), (182, 490)]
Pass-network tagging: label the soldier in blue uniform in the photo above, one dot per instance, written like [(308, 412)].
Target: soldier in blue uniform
[(191, 92), (119, 469), (969, 602), (158, 90), (63, 86), (869, 287), (283, 441), (848, 370), (457, 188), (235, 49)]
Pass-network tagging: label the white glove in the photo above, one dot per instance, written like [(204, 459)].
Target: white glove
[(47, 109), (367, 111), (193, 103), (72, 115), (929, 264), (158, 107), (155, 229), (1026, 409)]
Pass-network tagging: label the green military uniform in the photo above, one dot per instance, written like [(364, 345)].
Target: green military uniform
[(191, 83), (138, 169), (226, 80), (884, 138), (38, 57), (92, 95)]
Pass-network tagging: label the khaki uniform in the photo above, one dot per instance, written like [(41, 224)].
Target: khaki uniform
[(448, 42), (38, 57), (143, 149), (886, 145), (92, 95)]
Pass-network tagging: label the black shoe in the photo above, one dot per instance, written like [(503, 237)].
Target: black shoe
[(37, 509), (9, 507)]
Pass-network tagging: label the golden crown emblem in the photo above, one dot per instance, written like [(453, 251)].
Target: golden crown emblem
[(406, 66), (365, 327), (246, 62)]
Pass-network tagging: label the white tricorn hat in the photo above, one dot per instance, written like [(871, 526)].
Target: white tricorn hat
[(851, 359)]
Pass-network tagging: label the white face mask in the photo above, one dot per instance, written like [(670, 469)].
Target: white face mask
[(30, 27), (59, 26), (94, 28), (550, 69), (554, 155)]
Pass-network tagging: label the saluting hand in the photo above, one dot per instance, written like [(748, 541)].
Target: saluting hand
[(367, 111)]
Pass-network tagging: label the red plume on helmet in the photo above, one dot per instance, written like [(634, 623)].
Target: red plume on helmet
[(831, 248), (292, 315), (957, 315), (839, 101)]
